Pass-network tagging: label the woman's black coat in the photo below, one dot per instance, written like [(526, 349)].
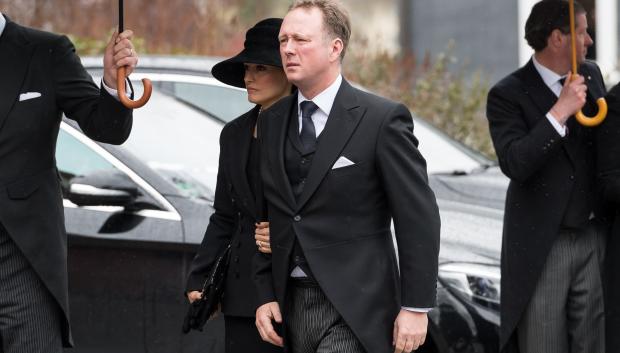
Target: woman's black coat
[(233, 220)]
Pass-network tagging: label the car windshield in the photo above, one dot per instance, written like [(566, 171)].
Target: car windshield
[(444, 155), (178, 142)]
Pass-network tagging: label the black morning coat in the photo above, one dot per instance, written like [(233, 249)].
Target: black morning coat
[(541, 169), (342, 218), (232, 222), (31, 206), (609, 182)]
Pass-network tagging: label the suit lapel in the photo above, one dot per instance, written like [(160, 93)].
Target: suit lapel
[(344, 117), (15, 55), (537, 89), (238, 175), (278, 119), (293, 131)]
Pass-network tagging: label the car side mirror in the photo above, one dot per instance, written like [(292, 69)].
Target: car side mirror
[(102, 188)]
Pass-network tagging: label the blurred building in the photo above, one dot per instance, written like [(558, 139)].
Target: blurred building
[(488, 34)]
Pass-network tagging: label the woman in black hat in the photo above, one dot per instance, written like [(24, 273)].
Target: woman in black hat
[(258, 68)]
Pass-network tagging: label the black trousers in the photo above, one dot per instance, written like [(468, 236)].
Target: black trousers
[(313, 324), (241, 336), (30, 318)]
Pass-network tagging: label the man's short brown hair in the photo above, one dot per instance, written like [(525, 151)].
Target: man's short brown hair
[(335, 19)]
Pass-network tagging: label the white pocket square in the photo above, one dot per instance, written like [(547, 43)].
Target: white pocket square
[(342, 162), (29, 95)]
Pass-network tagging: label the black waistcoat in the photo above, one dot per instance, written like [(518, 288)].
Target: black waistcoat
[(297, 163), (580, 146)]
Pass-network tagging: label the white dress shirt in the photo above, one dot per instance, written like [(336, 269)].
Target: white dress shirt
[(325, 101), (111, 91), (552, 80)]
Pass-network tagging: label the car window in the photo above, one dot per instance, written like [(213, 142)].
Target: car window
[(224, 103), (73, 159), (178, 142)]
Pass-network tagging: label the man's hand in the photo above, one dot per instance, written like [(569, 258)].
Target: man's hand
[(262, 237), (264, 315), (193, 296), (572, 98), (409, 331), (119, 52)]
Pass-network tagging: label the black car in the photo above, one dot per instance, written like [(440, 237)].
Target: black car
[(136, 213)]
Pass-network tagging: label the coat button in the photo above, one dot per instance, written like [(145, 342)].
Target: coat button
[(572, 177), (297, 218), (236, 259)]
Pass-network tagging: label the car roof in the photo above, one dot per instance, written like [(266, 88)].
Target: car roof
[(195, 65)]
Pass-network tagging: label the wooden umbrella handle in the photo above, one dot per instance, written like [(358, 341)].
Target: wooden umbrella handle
[(602, 104), (121, 73), (122, 94)]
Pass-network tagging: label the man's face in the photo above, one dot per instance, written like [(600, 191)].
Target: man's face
[(304, 46), (582, 38)]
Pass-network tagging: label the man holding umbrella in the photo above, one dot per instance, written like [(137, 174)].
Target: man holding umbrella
[(41, 78), (553, 243)]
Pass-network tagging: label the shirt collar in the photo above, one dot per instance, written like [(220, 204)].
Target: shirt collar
[(2, 23), (549, 77), (324, 100)]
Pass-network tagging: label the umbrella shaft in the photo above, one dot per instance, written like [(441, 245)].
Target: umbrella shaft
[(121, 25)]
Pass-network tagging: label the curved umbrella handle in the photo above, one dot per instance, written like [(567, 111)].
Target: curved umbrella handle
[(602, 104), (595, 120), (122, 95)]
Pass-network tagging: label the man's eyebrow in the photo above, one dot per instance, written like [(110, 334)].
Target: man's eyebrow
[(293, 35)]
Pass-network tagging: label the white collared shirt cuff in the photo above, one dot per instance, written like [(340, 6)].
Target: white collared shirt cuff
[(417, 310), (113, 92), (559, 128)]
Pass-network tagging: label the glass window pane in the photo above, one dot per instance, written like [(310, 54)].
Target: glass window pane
[(224, 103)]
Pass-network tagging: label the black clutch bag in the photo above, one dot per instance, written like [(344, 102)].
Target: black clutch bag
[(202, 309)]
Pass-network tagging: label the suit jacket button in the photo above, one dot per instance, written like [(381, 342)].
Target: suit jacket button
[(297, 218), (236, 259), (572, 177)]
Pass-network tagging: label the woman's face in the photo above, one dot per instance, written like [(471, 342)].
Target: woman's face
[(265, 84)]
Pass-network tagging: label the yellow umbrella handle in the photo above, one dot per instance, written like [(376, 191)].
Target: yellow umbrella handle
[(602, 104)]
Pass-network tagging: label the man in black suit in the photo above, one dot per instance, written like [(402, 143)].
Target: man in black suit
[(338, 164), (41, 78), (553, 243)]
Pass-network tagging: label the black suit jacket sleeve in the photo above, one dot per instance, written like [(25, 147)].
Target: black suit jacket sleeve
[(101, 116), (220, 229), (521, 150), (608, 156), (261, 263), (413, 208)]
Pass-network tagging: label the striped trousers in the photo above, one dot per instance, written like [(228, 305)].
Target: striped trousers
[(566, 311), (313, 324), (29, 316)]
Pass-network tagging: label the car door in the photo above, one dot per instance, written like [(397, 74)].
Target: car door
[(152, 219)]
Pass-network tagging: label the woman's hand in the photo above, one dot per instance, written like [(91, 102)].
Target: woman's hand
[(193, 296), (262, 237)]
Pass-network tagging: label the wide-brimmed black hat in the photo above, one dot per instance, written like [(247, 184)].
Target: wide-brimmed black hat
[(261, 47)]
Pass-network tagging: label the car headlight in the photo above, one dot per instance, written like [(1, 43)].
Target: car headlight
[(477, 283)]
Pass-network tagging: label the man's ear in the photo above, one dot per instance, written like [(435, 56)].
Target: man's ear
[(336, 49), (556, 39)]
